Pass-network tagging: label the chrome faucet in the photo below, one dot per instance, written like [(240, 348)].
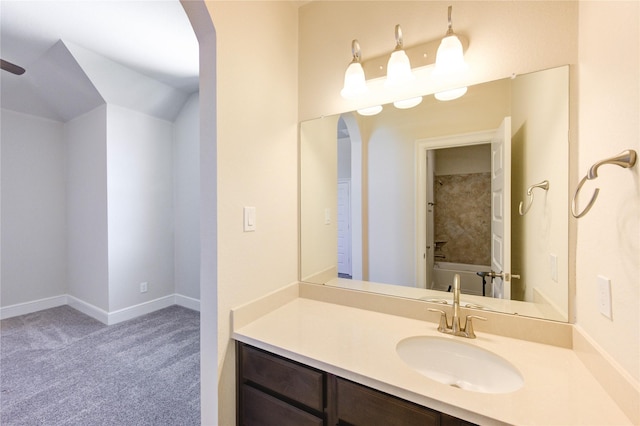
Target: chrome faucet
[(455, 328)]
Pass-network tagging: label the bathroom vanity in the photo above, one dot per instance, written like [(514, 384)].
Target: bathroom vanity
[(308, 355), (273, 390)]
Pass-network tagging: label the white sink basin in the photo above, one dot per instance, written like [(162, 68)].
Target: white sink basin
[(459, 364)]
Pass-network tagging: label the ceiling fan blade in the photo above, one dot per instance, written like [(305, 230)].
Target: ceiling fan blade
[(12, 68)]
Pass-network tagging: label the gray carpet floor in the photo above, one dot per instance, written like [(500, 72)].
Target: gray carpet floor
[(61, 367)]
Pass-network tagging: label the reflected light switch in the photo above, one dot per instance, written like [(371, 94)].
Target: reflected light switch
[(327, 216), (249, 219), (604, 296), (553, 267)]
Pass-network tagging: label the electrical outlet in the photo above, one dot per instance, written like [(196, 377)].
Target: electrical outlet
[(144, 287), (604, 296)]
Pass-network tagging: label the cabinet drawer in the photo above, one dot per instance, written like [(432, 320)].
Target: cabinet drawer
[(264, 410), (360, 406), (286, 378)]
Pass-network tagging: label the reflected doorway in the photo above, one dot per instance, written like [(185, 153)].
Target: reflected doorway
[(458, 187), (352, 248)]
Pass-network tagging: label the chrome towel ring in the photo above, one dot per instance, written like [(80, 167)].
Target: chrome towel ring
[(625, 159), (542, 185)]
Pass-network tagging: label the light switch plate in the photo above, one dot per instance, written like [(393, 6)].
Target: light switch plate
[(604, 296), (327, 216), (249, 214)]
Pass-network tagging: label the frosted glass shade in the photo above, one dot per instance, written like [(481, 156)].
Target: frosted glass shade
[(354, 81), (407, 103), (450, 57), (398, 69), (370, 110), (449, 95)]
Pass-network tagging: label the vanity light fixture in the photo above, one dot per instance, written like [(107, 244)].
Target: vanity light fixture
[(370, 110), (354, 80), (449, 95), (399, 67), (450, 61), (449, 64), (407, 103)]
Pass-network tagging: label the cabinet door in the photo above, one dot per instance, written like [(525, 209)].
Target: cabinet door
[(447, 420), (260, 409), (360, 406), (290, 380)]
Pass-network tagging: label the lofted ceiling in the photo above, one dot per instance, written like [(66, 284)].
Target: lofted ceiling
[(151, 38)]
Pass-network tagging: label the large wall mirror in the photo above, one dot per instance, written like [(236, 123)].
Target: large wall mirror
[(400, 202)]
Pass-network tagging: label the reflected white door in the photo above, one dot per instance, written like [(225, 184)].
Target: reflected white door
[(344, 227), (430, 248), (501, 210)]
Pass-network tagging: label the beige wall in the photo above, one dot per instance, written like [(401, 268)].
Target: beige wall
[(609, 122), (540, 120), (256, 92), (318, 195)]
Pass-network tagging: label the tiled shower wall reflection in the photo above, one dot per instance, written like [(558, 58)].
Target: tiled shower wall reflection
[(462, 218)]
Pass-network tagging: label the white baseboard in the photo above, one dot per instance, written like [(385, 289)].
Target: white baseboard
[(88, 309), (187, 302), (140, 309), (33, 306), (99, 314)]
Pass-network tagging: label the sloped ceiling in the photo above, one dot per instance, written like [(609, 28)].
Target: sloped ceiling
[(120, 85), (151, 39), (62, 85)]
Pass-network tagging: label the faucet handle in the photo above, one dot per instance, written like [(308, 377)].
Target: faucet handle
[(468, 326), (444, 324)]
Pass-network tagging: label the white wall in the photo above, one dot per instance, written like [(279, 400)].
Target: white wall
[(186, 199), (140, 206), (88, 207), (609, 122), (87, 248), (33, 209), (463, 160), (201, 20), (344, 158)]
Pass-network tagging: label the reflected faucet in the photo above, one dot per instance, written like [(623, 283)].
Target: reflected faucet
[(455, 328)]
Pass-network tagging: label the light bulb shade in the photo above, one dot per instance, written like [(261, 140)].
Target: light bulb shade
[(354, 81), (449, 95), (398, 69), (450, 57), (370, 110), (407, 103)]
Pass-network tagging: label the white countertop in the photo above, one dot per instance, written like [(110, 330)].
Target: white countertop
[(360, 345)]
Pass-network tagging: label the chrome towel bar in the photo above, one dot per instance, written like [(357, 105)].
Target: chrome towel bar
[(625, 159)]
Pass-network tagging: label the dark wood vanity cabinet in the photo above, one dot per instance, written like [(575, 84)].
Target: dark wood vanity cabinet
[(360, 405), (276, 391)]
